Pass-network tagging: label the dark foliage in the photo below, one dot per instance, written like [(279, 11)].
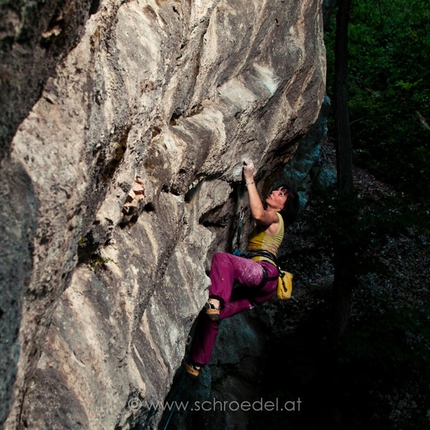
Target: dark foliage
[(389, 90)]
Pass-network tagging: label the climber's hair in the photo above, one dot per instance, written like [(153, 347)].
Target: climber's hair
[(291, 208)]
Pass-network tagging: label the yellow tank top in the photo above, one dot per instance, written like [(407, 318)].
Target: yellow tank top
[(260, 239)]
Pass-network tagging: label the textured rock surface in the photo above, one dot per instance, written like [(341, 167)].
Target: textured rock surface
[(226, 388), (297, 171), (231, 379), (122, 180)]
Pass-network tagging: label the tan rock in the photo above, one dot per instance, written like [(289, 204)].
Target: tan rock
[(154, 109)]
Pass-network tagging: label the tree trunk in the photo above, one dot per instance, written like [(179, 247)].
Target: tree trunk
[(343, 137), (343, 241), (344, 250)]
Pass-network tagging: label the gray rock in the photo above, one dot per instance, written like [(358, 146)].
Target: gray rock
[(103, 286)]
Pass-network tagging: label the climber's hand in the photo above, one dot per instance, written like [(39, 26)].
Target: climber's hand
[(248, 169)]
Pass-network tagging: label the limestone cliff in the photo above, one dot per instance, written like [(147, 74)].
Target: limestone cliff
[(124, 126)]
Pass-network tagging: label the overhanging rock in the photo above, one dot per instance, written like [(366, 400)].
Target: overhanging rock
[(133, 157)]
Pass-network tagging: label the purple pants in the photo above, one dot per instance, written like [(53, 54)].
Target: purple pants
[(226, 269)]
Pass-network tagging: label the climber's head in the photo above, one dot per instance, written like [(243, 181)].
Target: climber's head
[(286, 200)]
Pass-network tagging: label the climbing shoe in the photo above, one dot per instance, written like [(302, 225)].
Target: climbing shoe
[(191, 369), (211, 311)]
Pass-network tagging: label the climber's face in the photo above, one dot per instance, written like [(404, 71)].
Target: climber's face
[(277, 198)]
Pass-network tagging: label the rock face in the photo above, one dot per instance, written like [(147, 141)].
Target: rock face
[(124, 177), (297, 172)]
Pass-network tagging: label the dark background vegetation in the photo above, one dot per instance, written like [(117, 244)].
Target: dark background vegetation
[(389, 90), (376, 374)]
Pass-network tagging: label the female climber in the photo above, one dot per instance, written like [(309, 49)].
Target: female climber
[(256, 271)]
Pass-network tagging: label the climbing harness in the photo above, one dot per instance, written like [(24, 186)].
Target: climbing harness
[(285, 279), (264, 256)]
